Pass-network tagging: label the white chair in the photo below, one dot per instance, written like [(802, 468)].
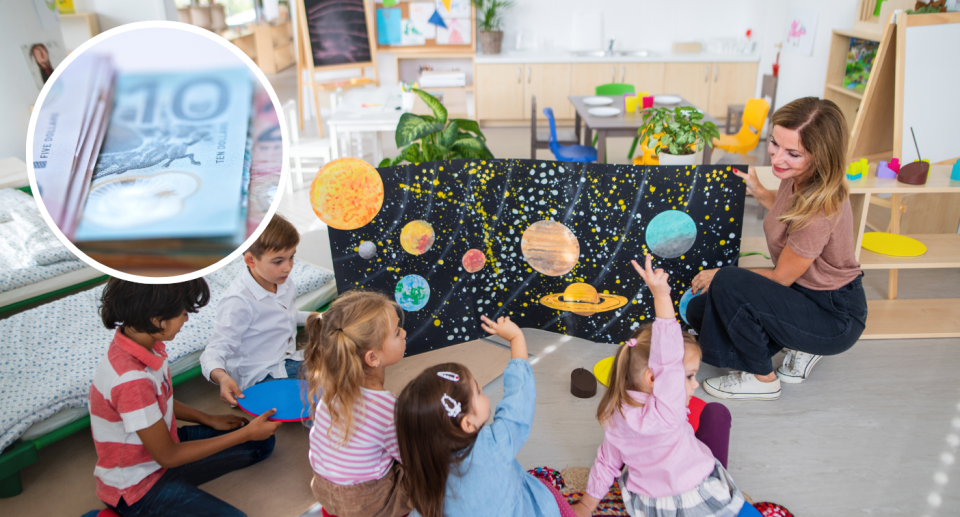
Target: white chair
[(305, 155)]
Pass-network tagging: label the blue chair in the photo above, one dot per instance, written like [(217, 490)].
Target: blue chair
[(568, 153)]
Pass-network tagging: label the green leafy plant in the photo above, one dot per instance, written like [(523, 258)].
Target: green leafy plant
[(491, 14), (439, 138), (678, 131)]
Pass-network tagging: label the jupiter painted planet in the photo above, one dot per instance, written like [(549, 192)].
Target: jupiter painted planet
[(550, 248), (583, 300), (417, 237), (347, 193)]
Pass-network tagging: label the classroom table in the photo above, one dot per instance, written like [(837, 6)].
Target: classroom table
[(365, 110), (622, 125)]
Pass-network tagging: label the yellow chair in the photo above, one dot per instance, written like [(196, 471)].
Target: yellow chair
[(754, 115), (647, 155)]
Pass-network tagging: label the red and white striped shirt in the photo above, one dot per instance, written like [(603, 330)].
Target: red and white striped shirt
[(372, 447), (131, 391)]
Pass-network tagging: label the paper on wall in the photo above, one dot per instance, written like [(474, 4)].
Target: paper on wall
[(456, 33), (420, 13), (48, 14), (410, 34), (801, 31), (457, 8)]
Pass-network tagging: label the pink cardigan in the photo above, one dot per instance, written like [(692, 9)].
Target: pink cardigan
[(655, 441)]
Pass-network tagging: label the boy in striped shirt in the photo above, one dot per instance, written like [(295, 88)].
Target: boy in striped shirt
[(147, 466)]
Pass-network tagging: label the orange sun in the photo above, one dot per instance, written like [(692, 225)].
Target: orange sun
[(347, 193)]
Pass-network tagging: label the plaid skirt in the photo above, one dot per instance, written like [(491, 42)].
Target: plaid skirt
[(716, 496)]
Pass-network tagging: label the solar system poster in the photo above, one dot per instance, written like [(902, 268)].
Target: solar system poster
[(547, 243)]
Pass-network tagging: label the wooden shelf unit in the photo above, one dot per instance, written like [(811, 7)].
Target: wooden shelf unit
[(892, 318), (461, 102), (848, 100)]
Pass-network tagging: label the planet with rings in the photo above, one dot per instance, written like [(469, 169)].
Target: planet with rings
[(583, 300)]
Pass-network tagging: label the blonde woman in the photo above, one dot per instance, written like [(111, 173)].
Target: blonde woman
[(812, 303)]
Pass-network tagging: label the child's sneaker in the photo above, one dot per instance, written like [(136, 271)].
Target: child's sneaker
[(796, 366), (742, 386)]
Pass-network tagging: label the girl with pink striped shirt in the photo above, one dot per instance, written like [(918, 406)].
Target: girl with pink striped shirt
[(644, 415), (353, 442)]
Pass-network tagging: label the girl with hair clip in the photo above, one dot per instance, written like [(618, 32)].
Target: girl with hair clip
[(644, 415), (455, 464), (353, 442)]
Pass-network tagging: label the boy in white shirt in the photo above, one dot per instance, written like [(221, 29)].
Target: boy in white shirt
[(255, 330)]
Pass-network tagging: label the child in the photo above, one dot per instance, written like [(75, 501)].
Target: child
[(455, 464), (644, 415), (147, 466), (353, 442), (255, 330)]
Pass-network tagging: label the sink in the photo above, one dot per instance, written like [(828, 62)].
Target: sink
[(591, 53), (635, 53)]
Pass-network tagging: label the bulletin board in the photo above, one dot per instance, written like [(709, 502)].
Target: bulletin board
[(547, 243), (405, 28)]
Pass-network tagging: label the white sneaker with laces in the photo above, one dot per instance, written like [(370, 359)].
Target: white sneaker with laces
[(797, 366), (742, 386)]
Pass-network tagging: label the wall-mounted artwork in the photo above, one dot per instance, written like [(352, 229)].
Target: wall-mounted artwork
[(547, 243), (859, 63), (801, 31)]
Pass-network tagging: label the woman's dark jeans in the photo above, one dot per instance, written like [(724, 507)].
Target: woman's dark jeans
[(744, 319)]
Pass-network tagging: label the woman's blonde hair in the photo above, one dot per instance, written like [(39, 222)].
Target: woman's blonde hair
[(626, 373), (824, 136), (357, 321)]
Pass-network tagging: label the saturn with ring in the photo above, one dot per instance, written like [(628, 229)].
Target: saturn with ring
[(583, 300)]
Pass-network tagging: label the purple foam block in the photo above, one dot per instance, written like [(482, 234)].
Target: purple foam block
[(883, 171)]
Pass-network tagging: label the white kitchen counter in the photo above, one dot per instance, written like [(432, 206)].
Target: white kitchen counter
[(565, 56)]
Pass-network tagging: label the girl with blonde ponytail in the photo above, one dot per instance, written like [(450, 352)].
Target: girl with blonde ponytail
[(353, 442)]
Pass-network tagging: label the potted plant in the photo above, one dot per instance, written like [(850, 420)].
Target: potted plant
[(490, 23), (439, 138), (680, 133)]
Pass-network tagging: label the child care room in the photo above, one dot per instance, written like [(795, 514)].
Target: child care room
[(479, 257)]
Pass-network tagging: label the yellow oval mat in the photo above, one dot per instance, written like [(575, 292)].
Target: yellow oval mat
[(601, 370), (893, 245)]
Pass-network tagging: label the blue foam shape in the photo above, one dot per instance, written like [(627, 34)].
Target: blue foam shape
[(286, 395), (955, 172), (684, 300), (437, 20)]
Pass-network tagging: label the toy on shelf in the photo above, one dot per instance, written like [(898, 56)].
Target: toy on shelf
[(955, 172), (884, 171), (914, 173), (894, 164), (858, 169)]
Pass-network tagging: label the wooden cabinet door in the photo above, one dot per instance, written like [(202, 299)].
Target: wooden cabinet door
[(690, 81), (551, 84), (645, 77), (500, 90), (585, 77), (731, 83)]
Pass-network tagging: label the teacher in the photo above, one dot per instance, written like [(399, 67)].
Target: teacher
[(812, 303)]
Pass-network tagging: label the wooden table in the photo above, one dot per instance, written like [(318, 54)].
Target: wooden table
[(622, 125), (892, 318)]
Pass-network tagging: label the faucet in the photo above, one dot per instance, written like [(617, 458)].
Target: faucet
[(610, 46)]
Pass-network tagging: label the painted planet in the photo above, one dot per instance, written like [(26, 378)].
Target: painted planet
[(583, 300), (412, 292), (684, 300), (417, 237), (474, 260), (671, 234), (367, 250), (347, 193), (550, 248)]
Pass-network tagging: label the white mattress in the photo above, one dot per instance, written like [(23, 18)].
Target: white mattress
[(49, 354), (48, 285)]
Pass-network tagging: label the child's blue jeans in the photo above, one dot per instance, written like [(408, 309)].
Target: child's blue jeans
[(176, 492), (293, 371)]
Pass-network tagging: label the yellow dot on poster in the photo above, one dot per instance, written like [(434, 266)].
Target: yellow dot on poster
[(722, 242), (436, 323), (731, 219), (682, 257), (652, 188), (706, 217), (440, 262)]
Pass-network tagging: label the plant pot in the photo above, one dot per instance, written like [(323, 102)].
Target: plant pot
[(680, 159), (490, 42)]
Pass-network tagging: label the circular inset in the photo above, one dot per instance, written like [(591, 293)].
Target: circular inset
[(416, 237), (684, 301), (367, 250), (347, 193), (671, 234), (474, 260), (550, 248), (583, 300), (412, 292)]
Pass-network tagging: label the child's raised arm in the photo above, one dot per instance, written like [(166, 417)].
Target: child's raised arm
[(508, 330), (657, 283)]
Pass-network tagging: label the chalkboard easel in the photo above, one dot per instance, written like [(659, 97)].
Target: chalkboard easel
[(334, 35)]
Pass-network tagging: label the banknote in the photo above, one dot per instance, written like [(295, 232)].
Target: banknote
[(171, 164), (267, 159), (62, 119)]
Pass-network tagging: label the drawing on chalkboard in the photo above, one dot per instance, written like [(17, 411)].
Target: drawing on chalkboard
[(547, 243), (339, 33)]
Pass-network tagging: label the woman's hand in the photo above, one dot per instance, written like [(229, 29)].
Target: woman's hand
[(701, 282), (225, 422), (754, 188)]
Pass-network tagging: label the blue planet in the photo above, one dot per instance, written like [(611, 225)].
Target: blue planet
[(412, 292), (684, 300), (671, 234)]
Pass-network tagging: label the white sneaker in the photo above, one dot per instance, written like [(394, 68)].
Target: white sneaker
[(796, 366), (742, 386)]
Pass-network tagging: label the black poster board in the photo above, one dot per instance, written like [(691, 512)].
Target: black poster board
[(339, 33), (488, 205)]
